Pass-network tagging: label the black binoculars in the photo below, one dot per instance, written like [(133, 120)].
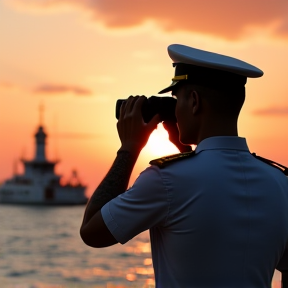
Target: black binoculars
[(164, 106)]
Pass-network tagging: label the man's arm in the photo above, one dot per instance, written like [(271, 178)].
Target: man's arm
[(93, 230), (134, 134)]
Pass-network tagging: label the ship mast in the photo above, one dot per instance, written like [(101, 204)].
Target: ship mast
[(41, 112), (40, 138)]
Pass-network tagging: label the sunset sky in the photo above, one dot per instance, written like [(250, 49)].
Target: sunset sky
[(77, 57)]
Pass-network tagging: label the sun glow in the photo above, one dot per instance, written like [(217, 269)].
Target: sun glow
[(159, 145)]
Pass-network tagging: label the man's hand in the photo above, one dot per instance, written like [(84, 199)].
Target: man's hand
[(133, 131), (134, 134), (173, 132)]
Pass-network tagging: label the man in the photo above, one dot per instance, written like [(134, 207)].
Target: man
[(217, 216)]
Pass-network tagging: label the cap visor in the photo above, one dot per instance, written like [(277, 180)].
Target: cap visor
[(169, 88)]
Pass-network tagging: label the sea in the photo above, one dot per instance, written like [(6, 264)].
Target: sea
[(40, 247)]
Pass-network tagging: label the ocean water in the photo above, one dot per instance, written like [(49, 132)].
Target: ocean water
[(40, 247)]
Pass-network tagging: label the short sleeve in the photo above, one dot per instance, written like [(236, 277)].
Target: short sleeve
[(144, 205)]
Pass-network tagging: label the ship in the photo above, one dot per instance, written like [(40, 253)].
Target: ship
[(39, 184)]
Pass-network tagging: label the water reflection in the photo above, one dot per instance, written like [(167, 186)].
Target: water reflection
[(41, 248), (139, 247), (147, 261)]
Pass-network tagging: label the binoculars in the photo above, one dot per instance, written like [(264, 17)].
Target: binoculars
[(164, 106)]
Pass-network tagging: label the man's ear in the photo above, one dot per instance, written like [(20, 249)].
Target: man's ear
[(195, 102)]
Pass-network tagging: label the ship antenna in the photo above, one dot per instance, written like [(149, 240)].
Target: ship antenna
[(41, 114)]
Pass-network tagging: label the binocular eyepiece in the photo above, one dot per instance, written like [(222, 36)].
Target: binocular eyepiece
[(164, 106)]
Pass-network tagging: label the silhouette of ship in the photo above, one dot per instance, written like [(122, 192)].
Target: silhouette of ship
[(39, 184)]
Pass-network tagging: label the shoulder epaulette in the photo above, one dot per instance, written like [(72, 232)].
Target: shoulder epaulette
[(272, 163), (164, 161)]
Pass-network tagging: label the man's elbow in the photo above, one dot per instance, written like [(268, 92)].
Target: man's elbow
[(88, 239), (96, 239)]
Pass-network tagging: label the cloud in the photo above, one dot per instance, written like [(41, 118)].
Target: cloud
[(8, 86), (62, 89), (273, 111), (225, 18)]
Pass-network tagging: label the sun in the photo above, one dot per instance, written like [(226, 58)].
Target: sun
[(158, 144)]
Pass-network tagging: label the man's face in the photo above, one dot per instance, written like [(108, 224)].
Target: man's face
[(185, 118)]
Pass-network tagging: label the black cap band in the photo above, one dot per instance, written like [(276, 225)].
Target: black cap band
[(212, 78)]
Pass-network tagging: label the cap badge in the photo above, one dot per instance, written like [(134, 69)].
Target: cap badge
[(180, 77)]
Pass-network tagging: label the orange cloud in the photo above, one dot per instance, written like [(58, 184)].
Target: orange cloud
[(273, 111), (224, 18), (61, 89), (8, 86)]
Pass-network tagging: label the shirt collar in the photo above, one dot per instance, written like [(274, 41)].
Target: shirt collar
[(222, 143)]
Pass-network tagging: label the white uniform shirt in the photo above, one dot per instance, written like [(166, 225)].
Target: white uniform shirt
[(217, 219)]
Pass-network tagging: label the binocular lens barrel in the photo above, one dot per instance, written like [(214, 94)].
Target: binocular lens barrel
[(164, 106)]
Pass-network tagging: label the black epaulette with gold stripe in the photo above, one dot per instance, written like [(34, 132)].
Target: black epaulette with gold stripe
[(164, 161), (272, 163)]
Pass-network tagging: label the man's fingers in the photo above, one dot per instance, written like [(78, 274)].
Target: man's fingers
[(134, 105), (130, 103), (166, 125), (138, 104), (122, 109), (126, 106), (154, 122)]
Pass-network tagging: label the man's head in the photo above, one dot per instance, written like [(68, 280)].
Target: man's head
[(210, 91), (203, 112)]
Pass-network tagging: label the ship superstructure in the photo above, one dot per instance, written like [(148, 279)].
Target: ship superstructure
[(39, 184)]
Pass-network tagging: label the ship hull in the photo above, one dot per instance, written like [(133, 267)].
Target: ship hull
[(35, 195)]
